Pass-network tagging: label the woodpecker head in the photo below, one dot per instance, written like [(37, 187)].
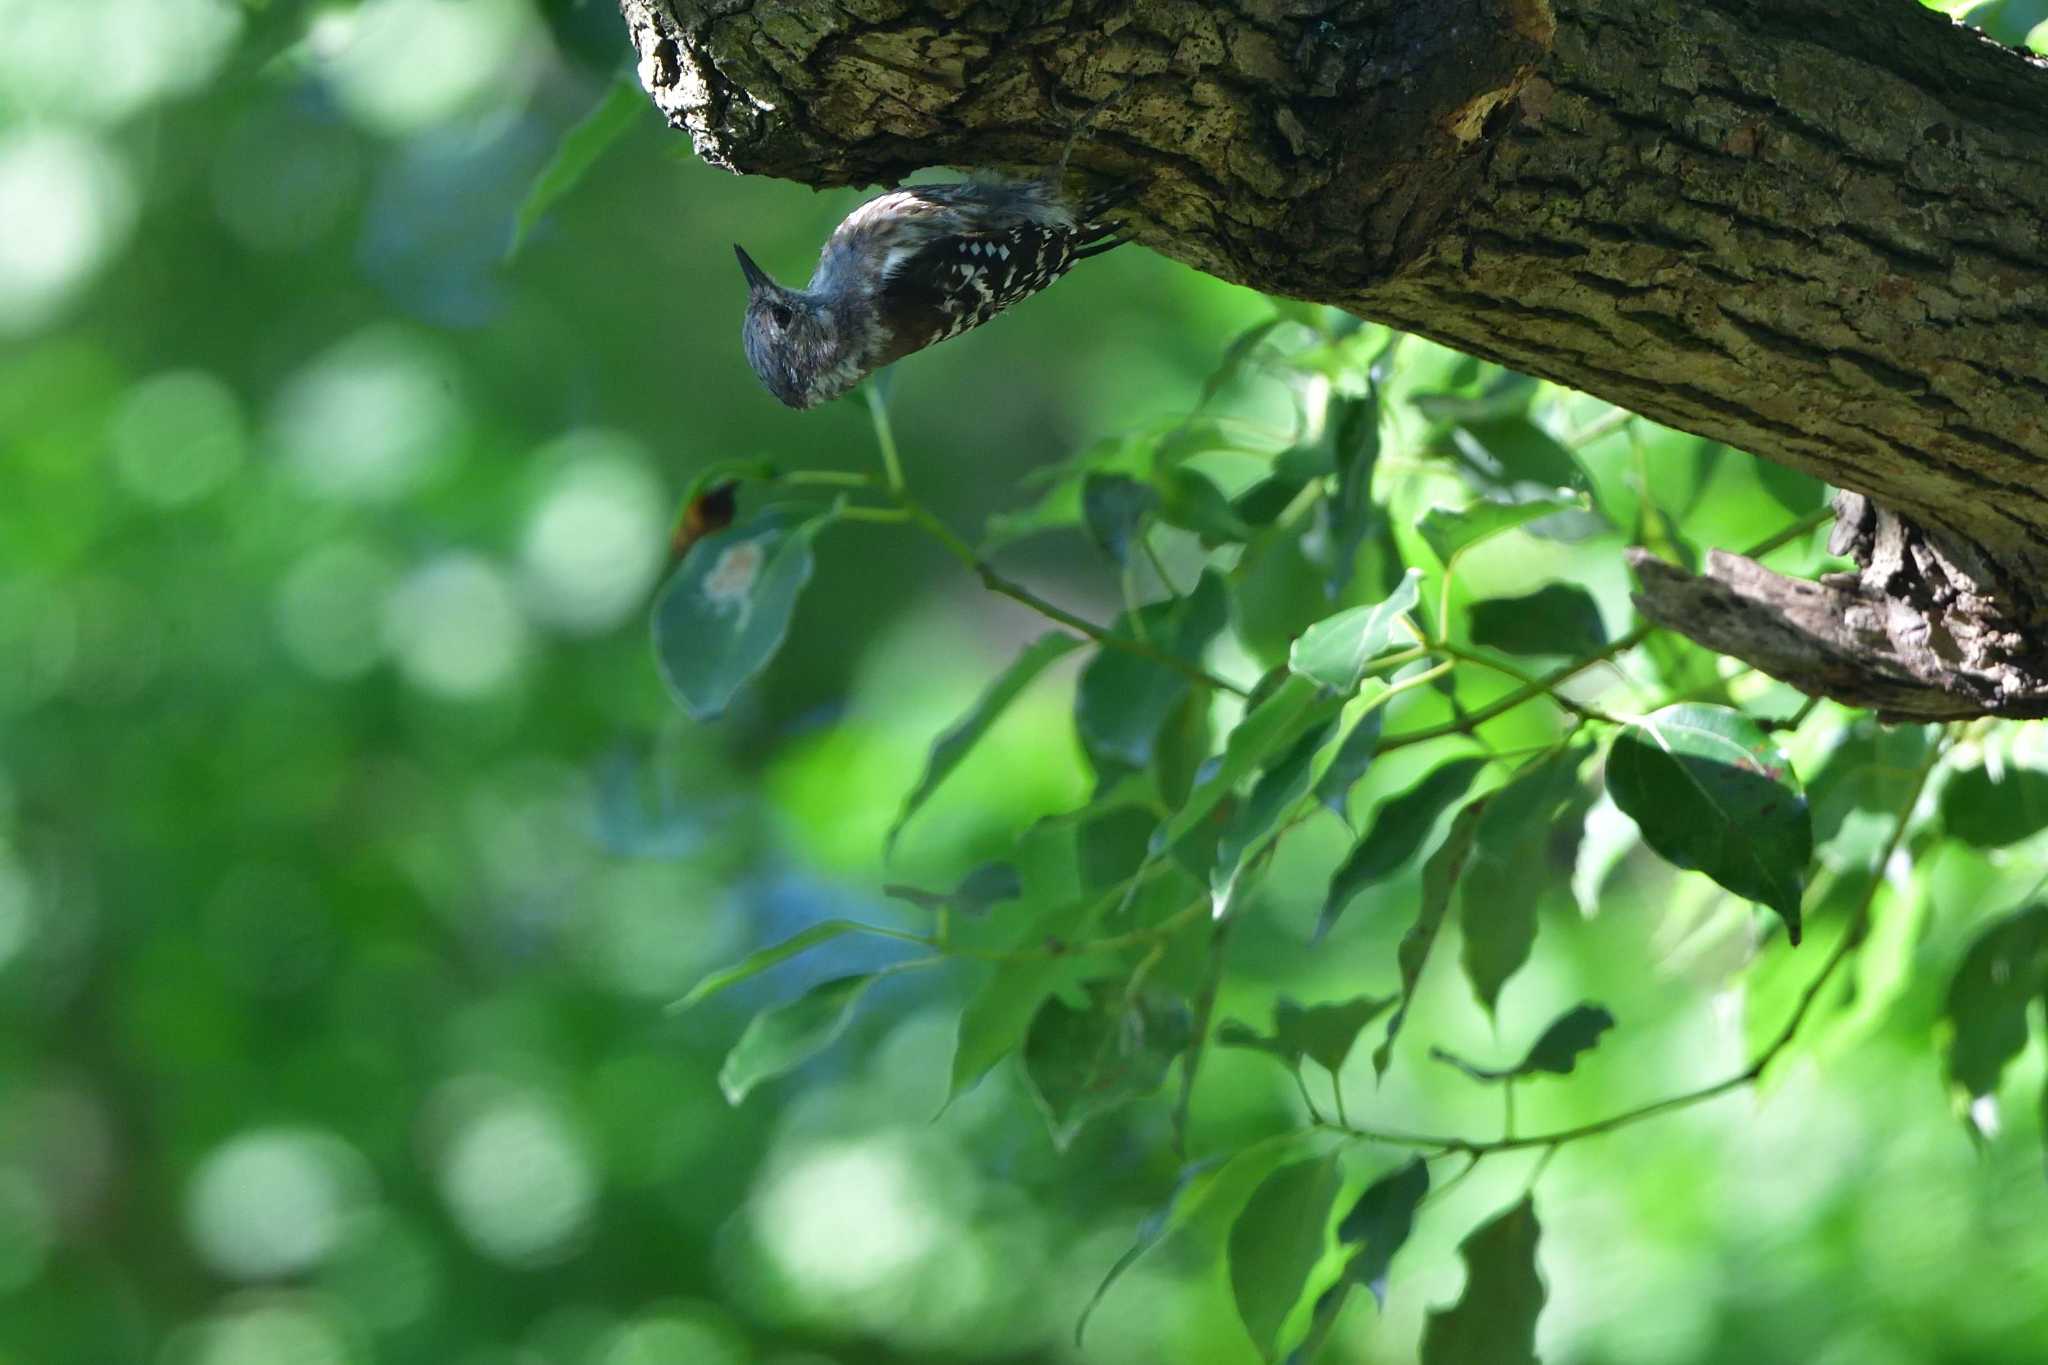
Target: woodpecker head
[(792, 341)]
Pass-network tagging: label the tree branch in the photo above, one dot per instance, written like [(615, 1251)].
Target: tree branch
[(1813, 229)]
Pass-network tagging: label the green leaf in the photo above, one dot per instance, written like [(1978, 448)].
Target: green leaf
[(1191, 500), (1154, 1226), (1270, 727), (1115, 507), (1439, 879), (1276, 1242), (1557, 619), (1494, 1320), (1123, 699), (1056, 509), (1397, 831), (1605, 839), (1325, 1033), (1203, 1207), (1085, 1061), (779, 1040), (1380, 1222), (618, 109), (1352, 431), (999, 1013), (1278, 593), (756, 963), (1335, 651), (2004, 970), (1278, 788), (1497, 900), (1352, 760), (1205, 1215), (1865, 771), (1451, 531), (990, 884), (1711, 792), (1509, 394), (724, 612), (1557, 1051), (1322, 1033), (1511, 449), (1987, 812), (954, 745), (1261, 504), (2009, 21), (1236, 356)]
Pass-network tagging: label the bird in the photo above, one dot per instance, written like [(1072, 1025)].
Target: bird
[(913, 267)]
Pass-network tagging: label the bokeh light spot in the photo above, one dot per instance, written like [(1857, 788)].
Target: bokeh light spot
[(177, 436), (282, 179), (594, 540), (387, 60), (67, 205), (329, 609), (384, 1270), (846, 1218), (289, 1331), (109, 60), (669, 1340), (647, 932), (372, 418), (455, 627), (270, 1203), (519, 1182)]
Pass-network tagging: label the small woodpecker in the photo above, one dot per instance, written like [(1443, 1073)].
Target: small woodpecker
[(914, 267)]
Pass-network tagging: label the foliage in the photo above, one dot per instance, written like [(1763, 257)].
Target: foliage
[(1708, 785), (1071, 912)]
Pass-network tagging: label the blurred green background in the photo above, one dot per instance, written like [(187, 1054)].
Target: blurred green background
[(351, 852)]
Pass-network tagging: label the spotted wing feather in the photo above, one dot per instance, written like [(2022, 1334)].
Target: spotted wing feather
[(956, 283)]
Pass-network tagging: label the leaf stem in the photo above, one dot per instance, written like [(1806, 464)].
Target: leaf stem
[(885, 437), (1205, 1011), (1468, 656), (824, 478), (951, 541)]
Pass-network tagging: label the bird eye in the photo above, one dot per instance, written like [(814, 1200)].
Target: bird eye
[(780, 312)]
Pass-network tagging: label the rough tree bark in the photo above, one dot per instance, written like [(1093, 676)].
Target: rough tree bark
[(1812, 229)]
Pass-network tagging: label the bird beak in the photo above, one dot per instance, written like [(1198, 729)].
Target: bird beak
[(757, 278)]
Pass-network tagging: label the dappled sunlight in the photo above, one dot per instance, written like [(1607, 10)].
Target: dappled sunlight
[(110, 60), (455, 628), (516, 1177), (68, 205), (177, 436), (271, 1204), (372, 418), (847, 1219), (329, 608), (386, 60), (593, 541), (392, 970)]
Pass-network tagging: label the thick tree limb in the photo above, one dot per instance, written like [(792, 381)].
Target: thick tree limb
[(1813, 229)]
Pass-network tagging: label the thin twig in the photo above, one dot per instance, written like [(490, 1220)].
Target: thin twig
[(1205, 1010), (885, 437), (1551, 680)]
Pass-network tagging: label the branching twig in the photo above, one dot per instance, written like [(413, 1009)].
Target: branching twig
[(1852, 934)]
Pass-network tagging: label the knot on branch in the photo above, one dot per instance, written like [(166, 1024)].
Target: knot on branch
[(1912, 634)]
